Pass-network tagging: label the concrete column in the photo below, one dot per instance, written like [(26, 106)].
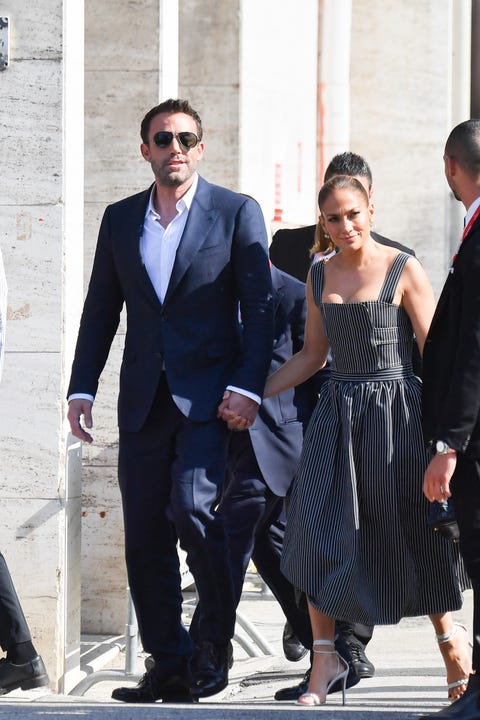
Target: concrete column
[(334, 81), (123, 81), (400, 112), (168, 49), (460, 94), (41, 236)]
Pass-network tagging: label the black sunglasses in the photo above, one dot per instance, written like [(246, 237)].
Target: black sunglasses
[(188, 140)]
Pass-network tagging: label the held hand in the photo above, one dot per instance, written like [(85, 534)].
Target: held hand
[(237, 410), (77, 408), (436, 483)]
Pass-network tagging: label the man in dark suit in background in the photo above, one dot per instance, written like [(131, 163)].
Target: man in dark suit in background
[(183, 256), (451, 388), (290, 248), (262, 462), (263, 459)]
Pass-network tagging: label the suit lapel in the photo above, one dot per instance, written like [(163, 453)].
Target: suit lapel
[(132, 232), (201, 218), (444, 295)]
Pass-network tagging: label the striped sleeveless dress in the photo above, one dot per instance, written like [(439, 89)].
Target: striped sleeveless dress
[(357, 540)]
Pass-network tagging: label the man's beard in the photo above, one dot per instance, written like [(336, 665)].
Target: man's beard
[(174, 178)]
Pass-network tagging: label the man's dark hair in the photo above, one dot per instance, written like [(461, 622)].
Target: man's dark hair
[(348, 163), (172, 105), (463, 144)]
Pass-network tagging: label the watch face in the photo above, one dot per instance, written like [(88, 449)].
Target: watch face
[(441, 447)]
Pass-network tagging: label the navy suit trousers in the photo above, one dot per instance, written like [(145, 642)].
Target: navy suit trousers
[(171, 475), (465, 487)]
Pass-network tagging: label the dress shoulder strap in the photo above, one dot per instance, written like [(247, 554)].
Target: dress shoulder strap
[(316, 278), (387, 293)]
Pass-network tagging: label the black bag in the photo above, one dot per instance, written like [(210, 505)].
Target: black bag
[(441, 517)]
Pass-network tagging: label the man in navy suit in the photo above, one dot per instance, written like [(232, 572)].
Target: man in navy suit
[(183, 256), (451, 388)]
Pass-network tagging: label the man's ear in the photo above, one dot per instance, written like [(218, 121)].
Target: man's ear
[(450, 165), (145, 150)]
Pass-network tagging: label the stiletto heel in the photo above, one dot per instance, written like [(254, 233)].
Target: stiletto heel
[(340, 675), (445, 638)]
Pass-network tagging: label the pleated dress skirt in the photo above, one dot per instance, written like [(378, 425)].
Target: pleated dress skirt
[(357, 540)]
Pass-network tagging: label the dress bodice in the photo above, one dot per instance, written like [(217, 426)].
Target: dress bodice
[(370, 336)]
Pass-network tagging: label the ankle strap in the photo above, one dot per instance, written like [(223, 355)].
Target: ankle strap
[(445, 637), (323, 643)]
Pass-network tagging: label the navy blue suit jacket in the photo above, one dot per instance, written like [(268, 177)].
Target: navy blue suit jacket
[(277, 433), (451, 357), (222, 260)]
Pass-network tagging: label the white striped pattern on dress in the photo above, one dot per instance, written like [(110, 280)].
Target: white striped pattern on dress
[(357, 540)]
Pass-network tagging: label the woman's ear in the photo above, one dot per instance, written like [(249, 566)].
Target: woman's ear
[(322, 225), (371, 210)]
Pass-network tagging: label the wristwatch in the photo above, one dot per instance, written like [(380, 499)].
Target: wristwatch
[(442, 448)]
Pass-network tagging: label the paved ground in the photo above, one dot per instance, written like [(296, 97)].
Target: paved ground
[(409, 680)]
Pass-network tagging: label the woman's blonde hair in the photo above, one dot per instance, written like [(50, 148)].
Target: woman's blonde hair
[(323, 243)]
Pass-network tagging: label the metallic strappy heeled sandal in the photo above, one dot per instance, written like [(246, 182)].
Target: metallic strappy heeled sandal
[(445, 638), (341, 674)]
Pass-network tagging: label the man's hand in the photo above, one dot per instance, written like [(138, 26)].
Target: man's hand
[(238, 411), (436, 483), (77, 408)]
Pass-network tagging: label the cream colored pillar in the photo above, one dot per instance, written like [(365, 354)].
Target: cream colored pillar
[(131, 63), (41, 236)]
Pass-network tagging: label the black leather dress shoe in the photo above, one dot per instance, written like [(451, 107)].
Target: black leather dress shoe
[(150, 660), (209, 669), (294, 692), (154, 686), (292, 647), (362, 665), (26, 676), (465, 708)]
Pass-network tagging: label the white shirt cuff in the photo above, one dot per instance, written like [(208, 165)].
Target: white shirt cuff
[(80, 396), (248, 394)]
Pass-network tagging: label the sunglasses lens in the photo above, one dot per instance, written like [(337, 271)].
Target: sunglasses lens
[(163, 138), (188, 139)]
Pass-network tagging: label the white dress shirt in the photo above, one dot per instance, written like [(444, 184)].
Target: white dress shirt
[(471, 210), (158, 245)]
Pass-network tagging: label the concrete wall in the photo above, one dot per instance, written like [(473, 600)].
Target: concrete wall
[(121, 84), (40, 501), (254, 84), (401, 114), (278, 100)]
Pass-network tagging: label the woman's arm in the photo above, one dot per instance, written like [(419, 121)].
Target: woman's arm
[(418, 299), (309, 359)]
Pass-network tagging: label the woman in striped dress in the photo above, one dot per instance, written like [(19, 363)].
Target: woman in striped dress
[(357, 541)]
